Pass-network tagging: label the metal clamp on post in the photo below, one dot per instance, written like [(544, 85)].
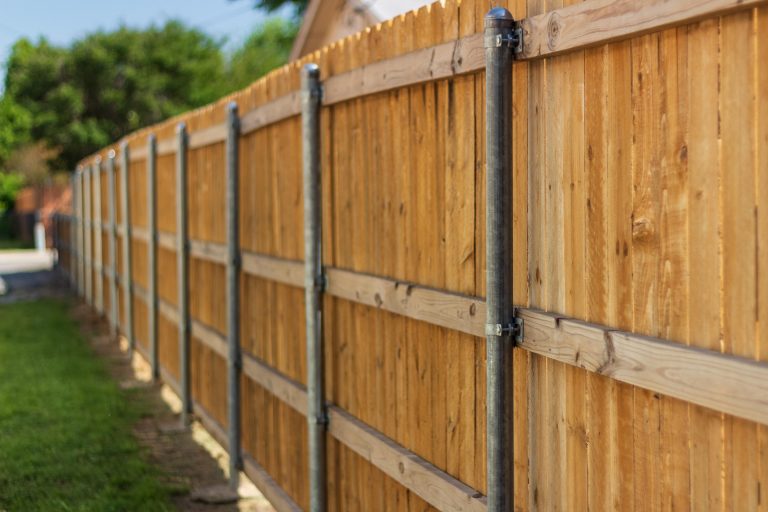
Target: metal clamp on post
[(513, 39), (321, 282), (515, 330)]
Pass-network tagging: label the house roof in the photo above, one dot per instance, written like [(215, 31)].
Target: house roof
[(328, 20)]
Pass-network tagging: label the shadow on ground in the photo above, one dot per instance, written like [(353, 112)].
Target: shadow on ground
[(193, 462), (195, 465)]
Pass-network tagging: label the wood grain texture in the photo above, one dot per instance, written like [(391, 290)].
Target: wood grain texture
[(209, 135), (268, 487), (276, 269), (453, 311), (445, 60), (424, 479), (733, 385), (601, 21), (208, 251), (281, 108)]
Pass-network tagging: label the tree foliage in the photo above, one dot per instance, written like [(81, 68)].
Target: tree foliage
[(15, 126), (77, 99), (108, 84), (265, 49), (10, 184)]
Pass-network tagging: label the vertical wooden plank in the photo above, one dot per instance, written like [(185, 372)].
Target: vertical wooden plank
[(761, 95), (646, 249), (537, 166), (673, 286), (602, 456), (620, 258), (576, 478), (705, 426), (737, 108)]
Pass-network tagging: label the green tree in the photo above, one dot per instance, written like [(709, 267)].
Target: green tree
[(108, 84), (15, 126), (265, 49), (10, 184)]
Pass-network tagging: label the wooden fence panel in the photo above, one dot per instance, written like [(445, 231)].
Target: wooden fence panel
[(639, 174)]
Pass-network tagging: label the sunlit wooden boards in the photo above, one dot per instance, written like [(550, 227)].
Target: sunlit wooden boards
[(639, 174)]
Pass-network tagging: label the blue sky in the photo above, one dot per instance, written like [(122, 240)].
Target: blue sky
[(62, 21)]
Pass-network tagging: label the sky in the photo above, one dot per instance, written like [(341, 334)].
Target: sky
[(63, 21)]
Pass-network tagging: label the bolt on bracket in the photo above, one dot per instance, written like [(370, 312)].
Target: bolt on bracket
[(515, 329), (512, 40)]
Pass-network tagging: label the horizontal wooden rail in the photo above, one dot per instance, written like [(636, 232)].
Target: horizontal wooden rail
[(167, 146), (277, 497), (416, 474), (258, 475), (721, 382), (453, 311), (207, 136), (290, 272), (209, 251), (140, 292), (166, 240), (138, 153), (411, 471), (596, 22), (168, 310), (210, 337), (725, 383), (734, 385), (287, 390), (211, 425), (140, 233), (275, 111), (442, 61), (435, 486), (571, 28)]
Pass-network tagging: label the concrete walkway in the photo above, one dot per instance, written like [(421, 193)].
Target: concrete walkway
[(28, 275)]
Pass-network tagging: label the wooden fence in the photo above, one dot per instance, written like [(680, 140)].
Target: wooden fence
[(640, 179)]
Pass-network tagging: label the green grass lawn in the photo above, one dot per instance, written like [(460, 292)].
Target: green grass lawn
[(65, 426)]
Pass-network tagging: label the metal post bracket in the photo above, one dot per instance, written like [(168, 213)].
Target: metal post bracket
[(515, 329), (513, 40)]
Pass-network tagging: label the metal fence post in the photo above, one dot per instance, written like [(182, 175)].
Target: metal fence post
[(98, 301), (73, 228), (233, 293), (182, 253), (80, 235), (113, 314), (127, 249), (311, 94), (500, 39), (152, 253), (88, 235)]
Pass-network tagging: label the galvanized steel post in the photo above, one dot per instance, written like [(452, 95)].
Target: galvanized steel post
[(182, 254), (127, 249), (113, 314), (98, 301), (88, 235), (311, 96), (74, 251), (152, 253), (500, 40), (80, 234), (233, 293)]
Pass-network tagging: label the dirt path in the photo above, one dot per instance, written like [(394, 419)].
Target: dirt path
[(194, 462)]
